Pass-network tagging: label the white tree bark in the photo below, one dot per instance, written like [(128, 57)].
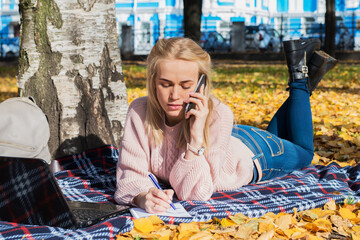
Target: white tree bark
[(70, 62)]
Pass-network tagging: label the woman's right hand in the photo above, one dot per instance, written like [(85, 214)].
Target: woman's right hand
[(197, 123), (155, 200)]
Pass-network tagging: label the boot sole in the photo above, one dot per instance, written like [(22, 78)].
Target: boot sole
[(320, 64)]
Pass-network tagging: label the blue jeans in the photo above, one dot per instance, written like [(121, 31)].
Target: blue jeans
[(287, 143)]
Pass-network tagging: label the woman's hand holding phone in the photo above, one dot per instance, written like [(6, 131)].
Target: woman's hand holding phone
[(201, 82), (199, 113)]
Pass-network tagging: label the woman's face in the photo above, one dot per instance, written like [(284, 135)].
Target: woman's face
[(175, 80)]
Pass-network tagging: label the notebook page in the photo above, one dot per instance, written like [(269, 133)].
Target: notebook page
[(179, 212)]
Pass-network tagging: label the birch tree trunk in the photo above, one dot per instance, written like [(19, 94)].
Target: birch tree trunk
[(70, 63)]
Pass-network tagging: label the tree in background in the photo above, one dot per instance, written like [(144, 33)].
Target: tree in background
[(70, 63), (330, 26), (192, 19)]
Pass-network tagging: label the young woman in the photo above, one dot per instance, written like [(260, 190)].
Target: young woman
[(201, 151)]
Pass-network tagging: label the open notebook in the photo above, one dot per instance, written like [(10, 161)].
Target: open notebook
[(179, 212)]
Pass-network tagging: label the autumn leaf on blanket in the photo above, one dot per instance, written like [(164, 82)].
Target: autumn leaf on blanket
[(239, 218), (331, 205), (143, 225), (225, 222), (155, 220)]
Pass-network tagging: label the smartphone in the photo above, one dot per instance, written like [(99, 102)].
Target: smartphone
[(202, 81)]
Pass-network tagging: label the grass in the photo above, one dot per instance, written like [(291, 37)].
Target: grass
[(256, 91)]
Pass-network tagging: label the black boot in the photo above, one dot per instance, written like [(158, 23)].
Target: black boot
[(319, 64), (298, 54)]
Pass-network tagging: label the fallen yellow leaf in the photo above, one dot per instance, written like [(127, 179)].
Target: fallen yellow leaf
[(266, 235), (201, 235), (155, 219), (284, 222), (355, 236), (227, 222), (309, 216), (186, 229), (330, 205), (164, 234), (323, 224), (239, 218), (244, 232), (298, 234), (143, 225), (356, 229), (338, 221), (346, 213), (265, 227)]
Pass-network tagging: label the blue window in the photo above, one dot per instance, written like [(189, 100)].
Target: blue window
[(130, 20), (170, 3), (225, 2), (310, 5), (148, 4), (282, 5), (209, 23), (253, 20), (155, 20), (237, 19)]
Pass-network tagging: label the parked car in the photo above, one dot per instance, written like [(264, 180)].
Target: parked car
[(262, 37), (250, 32), (9, 47), (213, 41), (267, 39), (344, 40)]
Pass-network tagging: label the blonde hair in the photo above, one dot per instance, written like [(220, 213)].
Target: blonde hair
[(174, 48)]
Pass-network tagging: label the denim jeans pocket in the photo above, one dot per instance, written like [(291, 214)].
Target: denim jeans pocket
[(246, 137), (274, 143)]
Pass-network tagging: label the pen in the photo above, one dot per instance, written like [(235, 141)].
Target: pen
[(158, 187)]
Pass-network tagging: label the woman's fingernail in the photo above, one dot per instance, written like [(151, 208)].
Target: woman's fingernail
[(169, 201)]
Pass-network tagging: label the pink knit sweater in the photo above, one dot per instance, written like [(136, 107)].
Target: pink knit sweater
[(227, 165)]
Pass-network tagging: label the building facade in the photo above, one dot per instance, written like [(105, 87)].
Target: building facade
[(9, 18), (154, 19)]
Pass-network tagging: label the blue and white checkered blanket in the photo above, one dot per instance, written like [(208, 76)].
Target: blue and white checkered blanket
[(90, 177)]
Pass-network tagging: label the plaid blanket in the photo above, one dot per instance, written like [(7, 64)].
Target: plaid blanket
[(90, 177)]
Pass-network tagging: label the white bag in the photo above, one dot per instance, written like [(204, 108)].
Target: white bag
[(24, 129)]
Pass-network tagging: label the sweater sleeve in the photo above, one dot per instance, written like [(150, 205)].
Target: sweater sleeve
[(134, 156), (195, 179)]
